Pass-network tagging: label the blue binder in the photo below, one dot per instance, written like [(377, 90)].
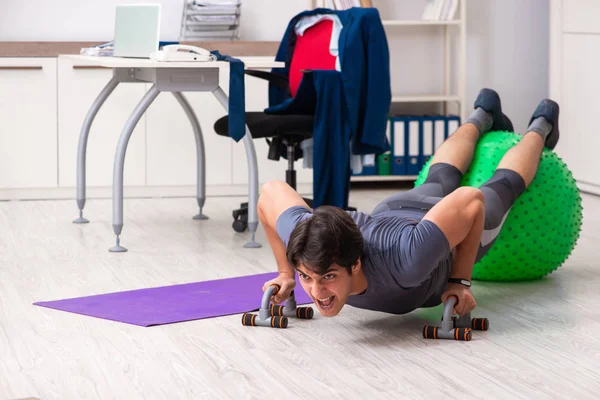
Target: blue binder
[(367, 170), (440, 131), (413, 145), (398, 145), (452, 124), (428, 138), (414, 140), (371, 170), (443, 127)]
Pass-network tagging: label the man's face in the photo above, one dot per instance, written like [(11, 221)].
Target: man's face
[(329, 291)]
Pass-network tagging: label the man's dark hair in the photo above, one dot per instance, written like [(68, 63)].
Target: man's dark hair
[(329, 236)]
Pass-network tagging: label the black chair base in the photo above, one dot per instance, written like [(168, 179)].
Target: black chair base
[(240, 216), (290, 142)]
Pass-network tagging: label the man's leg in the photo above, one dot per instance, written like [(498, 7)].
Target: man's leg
[(516, 170), (453, 158)]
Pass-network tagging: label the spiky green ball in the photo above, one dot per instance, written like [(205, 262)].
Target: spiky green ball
[(543, 226)]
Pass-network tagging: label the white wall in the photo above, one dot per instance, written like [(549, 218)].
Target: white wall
[(508, 50), (574, 80), (507, 40), (93, 20)]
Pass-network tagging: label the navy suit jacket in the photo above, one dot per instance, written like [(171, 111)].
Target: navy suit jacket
[(351, 106)]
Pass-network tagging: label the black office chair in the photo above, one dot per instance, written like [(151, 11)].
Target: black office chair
[(278, 130), (311, 52)]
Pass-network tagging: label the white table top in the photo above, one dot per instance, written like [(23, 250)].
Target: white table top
[(120, 62)]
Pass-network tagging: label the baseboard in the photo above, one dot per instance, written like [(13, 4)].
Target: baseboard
[(305, 189)]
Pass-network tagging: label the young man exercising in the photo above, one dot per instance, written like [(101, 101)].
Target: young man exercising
[(417, 247)]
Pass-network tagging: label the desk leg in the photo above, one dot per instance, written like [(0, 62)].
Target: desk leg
[(119, 164), (252, 174), (82, 148), (200, 154)]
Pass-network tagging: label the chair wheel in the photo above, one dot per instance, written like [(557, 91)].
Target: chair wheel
[(239, 225)]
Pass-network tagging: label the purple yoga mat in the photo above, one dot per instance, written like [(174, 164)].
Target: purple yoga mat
[(177, 303)]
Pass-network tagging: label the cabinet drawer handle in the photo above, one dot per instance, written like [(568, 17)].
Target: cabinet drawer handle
[(88, 67), (19, 67)]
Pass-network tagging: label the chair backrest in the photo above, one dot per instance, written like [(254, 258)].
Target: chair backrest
[(311, 52)]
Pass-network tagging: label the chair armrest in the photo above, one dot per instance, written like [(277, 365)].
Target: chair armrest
[(280, 81)]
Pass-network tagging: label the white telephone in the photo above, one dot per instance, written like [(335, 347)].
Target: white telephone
[(182, 52)]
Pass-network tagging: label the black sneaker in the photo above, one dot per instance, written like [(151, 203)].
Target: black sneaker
[(489, 100), (549, 110)]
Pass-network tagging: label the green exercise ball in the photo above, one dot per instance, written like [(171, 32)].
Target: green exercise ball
[(544, 224)]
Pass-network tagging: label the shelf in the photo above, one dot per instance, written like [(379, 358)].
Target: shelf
[(424, 98), (379, 178), (419, 22)]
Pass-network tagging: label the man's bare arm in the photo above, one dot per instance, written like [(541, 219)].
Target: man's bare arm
[(460, 216), (275, 198)]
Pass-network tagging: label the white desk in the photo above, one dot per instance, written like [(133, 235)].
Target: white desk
[(175, 77)]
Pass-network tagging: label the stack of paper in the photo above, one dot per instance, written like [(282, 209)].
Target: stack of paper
[(346, 4), (215, 7), (210, 19), (440, 10)]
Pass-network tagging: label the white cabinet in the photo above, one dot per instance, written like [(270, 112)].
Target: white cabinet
[(574, 81), (28, 149), (171, 148), (257, 99), (44, 102), (78, 87), (581, 16), (580, 82)]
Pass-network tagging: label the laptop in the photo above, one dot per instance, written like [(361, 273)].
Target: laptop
[(137, 30)]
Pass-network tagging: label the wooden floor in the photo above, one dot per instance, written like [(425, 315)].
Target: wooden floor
[(544, 341)]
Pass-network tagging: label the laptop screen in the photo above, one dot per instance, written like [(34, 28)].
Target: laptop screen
[(137, 30)]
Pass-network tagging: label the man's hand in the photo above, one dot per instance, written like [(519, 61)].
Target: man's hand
[(466, 303), (287, 284)]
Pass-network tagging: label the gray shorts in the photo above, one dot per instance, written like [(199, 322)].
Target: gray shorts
[(500, 193), (410, 200), (410, 261)]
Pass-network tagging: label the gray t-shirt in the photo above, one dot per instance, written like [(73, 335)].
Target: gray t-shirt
[(406, 261)]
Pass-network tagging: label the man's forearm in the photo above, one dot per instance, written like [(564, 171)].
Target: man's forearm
[(277, 247), (466, 251), (275, 198), (283, 266)]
